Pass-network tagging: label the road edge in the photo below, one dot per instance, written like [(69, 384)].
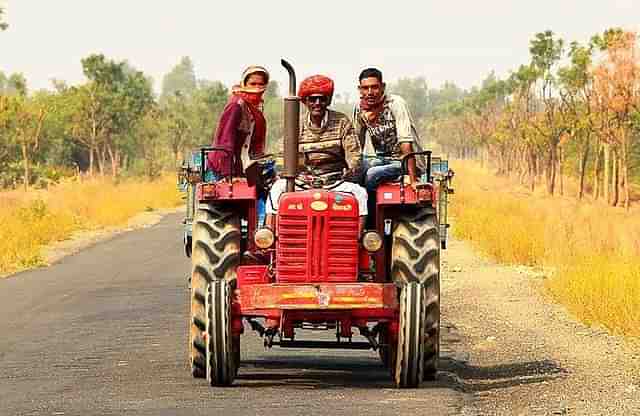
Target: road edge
[(80, 240)]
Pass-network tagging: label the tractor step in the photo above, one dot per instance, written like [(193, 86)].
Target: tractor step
[(324, 344)]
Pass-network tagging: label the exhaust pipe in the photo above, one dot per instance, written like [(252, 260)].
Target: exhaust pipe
[(291, 129)]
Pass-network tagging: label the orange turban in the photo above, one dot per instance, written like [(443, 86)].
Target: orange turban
[(316, 84)]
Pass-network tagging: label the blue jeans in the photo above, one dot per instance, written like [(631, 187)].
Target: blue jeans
[(378, 170)]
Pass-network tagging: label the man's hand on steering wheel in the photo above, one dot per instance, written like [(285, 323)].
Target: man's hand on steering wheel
[(309, 169)]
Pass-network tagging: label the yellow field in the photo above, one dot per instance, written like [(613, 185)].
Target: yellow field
[(593, 250), (32, 220)]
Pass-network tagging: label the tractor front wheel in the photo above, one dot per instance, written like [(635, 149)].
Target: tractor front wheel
[(416, 260), (222, 346), (409, 360)]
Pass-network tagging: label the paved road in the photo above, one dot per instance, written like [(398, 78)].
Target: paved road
[(104, 332)]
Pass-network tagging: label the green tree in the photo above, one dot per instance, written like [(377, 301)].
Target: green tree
[(24, 127), (273, 90), (178, 122), (576, 81), (546, 51), (58, 148), (182, 78), (205, 108), (135, 97), (14, 84), (415, 93), (110, 104), (3, 25), (151, 130), (438, 100), (273, 114), (8, 149)]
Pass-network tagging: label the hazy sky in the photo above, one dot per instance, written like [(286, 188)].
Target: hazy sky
[(452, 40)]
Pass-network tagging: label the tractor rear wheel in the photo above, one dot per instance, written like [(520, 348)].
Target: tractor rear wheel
[(416, 258), (215, 255), (197, 327)]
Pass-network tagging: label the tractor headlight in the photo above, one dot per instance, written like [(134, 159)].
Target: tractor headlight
[(264, 238), (371, 241)]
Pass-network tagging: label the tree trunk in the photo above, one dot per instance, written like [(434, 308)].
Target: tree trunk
[(615, 178), (606, 148), (596, 171), (175, 149), (99, 160), (102, 159), (523, 167), (91, 150), (554, 168), (560, 169), (114, 161), (25, 164), (125, 161), (625, 176), (621, 183), (94, 145), (551, 170), (179, 157), (583, 166), (532, 169), (118, 156)]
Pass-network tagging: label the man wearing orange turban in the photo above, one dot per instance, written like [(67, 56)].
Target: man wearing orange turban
[(316, 85), (327, 131)]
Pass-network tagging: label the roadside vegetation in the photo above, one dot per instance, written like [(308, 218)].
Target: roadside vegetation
[(554, 185), (30, 221), (588, 252)]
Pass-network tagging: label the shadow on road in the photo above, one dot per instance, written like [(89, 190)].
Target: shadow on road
[(322, 372), (327, 372), (317, 372), (479, 379)]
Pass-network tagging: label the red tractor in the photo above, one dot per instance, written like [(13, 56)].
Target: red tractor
[(316, 269)]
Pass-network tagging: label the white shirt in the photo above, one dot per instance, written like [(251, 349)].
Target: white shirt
[(395, 115)]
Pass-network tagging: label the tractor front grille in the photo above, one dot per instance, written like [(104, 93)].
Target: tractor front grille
[(317, 248)]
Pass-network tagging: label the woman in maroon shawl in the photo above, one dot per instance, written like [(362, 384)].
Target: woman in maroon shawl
[(242, 127)]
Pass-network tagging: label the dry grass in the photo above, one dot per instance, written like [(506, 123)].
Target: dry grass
[(35, 219), (594, 250)]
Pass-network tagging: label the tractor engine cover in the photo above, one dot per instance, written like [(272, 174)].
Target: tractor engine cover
[(317, 237)]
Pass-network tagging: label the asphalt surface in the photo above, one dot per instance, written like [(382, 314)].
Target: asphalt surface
[(104, 332)]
